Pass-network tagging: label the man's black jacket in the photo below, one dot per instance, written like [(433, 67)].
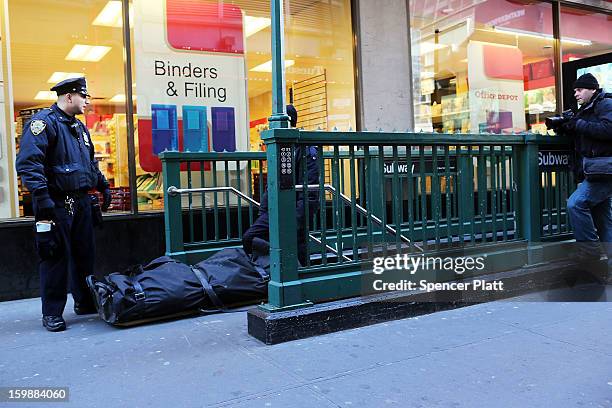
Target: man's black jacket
[(594, 127)]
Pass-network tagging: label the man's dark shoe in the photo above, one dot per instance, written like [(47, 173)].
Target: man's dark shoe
[(54, 323), (84, 309)]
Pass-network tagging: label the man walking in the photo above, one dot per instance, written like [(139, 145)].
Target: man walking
[(56, 163)]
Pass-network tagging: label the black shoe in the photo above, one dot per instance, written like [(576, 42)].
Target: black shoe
[(84, 309), (54, 323)]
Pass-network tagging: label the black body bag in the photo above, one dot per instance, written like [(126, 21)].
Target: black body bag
[(166, 288)]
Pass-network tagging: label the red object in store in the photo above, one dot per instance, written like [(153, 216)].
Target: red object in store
[(503, 62), (120, 198), (196, 25)]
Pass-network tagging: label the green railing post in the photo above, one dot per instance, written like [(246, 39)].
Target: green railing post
[(284, 288), (466, 192), (173, 214), (529, 211), (279, 118), (376, 187)]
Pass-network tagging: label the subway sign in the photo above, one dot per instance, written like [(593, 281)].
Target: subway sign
[(554, 159), (402, 166)]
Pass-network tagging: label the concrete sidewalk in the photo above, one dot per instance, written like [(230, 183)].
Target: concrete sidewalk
[(505, 354)]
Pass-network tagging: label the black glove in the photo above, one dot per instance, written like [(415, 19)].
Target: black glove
[(106, 200), (45, 214), (43, 205), (569, 126)]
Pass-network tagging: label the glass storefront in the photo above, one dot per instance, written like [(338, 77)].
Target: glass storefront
[(594, 30), (215, 55), (484, 68), (201, 74), (65, 42), (489, 66)]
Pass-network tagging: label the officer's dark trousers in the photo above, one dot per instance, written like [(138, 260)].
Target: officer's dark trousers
[(74, 261)]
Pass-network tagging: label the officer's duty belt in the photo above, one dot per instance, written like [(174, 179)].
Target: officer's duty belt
[(62, 195)]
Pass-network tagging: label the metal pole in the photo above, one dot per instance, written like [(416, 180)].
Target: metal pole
[(129, 107), (279, 118), (558, 58)]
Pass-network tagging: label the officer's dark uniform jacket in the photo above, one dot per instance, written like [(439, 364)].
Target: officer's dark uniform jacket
[(594, 127), (59, 159), (306, 159)]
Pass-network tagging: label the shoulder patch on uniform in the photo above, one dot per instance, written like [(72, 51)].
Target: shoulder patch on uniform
[(37, 126)]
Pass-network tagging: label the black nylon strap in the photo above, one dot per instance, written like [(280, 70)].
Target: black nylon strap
[(208, 289), (139, 296)]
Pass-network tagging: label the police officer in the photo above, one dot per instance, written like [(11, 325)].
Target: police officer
[(56, 163), (260, 228)]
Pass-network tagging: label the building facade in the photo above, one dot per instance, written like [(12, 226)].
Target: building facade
[(195, 75)]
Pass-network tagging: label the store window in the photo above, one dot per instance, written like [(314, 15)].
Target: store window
[(482, 66), (51, 41), (586, 45), (203, 77)]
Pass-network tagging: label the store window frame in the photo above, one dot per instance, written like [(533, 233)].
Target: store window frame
[(127, 69), (129, 104), (591, 5)]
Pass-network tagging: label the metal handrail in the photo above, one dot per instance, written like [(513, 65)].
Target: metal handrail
[(359, 208), (173, 191)]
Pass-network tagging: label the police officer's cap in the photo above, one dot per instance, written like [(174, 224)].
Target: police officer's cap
[(70, 85)]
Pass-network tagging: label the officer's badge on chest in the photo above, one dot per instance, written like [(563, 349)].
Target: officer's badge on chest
[(37, 126), (86, 139)]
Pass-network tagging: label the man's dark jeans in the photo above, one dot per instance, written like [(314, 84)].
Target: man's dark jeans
[(590, 212)]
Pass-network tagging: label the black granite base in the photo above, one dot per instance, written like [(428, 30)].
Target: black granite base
[(281, 326), (122, 242)]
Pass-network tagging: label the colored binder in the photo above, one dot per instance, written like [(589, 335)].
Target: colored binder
[(164, 128), (223, 129), (195, 129)]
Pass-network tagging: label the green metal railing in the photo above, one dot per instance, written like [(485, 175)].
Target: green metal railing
[(382, 194), (210, 216), (455, 193)]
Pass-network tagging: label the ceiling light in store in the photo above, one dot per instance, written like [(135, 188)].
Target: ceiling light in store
[(576, 41), (255, 24), (267, 66), (45, 96), (90, 53), (523, 33), (59, 76), (119, 98), (111, 15)]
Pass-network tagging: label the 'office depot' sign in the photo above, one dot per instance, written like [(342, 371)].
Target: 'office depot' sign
[(495, 78), (190, 78)]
